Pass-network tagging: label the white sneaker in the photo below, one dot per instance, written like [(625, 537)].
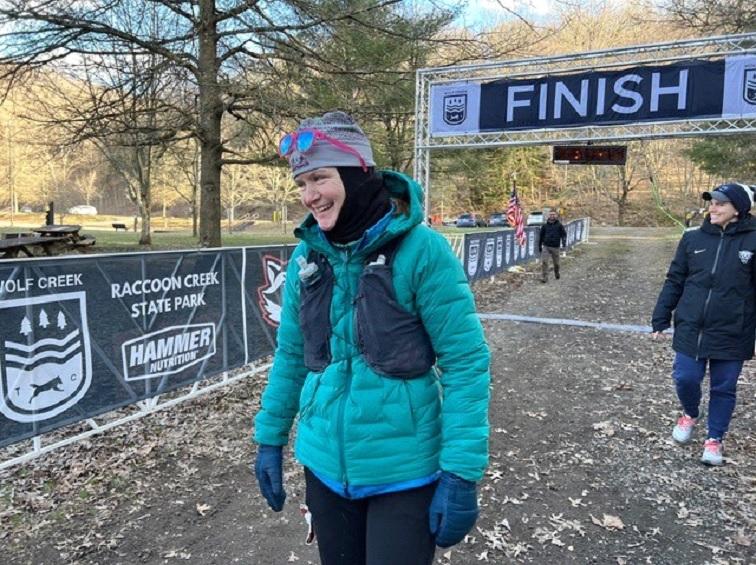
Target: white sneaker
[(712, 453), (683, 431)]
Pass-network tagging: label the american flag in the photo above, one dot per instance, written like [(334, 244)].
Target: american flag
[(514, 217)]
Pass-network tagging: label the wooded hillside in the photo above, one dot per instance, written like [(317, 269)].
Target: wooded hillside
[(111, 105)]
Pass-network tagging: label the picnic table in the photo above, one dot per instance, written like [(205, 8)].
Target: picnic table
[(49, 239), (11, 247), (68, 234), (59, 231)]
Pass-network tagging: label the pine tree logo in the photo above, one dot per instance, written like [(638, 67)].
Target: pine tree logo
[(46, 360)]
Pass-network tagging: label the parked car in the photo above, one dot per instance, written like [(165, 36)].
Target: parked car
[(83, 210), (498, 220), (534, 219), (470, 221), (26, 209)]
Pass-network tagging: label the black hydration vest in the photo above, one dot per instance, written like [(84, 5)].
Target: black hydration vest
[(393, 342)]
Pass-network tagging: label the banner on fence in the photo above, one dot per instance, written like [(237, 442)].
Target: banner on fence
[(680, 91), (82, 337), (489, 253)]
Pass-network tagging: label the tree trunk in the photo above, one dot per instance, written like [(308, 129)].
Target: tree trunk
[(143, 166), (624, 185), (145, 236), (621, 209), (231, 216), (210, 114), (194, 218), (195, 194)]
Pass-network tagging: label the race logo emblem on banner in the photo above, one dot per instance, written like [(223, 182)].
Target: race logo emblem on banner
[(508, 249), (488, 256), (270, 295), (45, 355), (531, 244), (473, 251), (499, 250), (749, 85), (455, 108)]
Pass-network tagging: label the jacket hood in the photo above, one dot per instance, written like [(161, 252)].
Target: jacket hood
[(401, 188)]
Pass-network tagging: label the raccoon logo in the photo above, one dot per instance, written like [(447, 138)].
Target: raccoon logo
[(270, 294)]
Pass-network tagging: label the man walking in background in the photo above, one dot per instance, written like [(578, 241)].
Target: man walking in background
[(552, 234)]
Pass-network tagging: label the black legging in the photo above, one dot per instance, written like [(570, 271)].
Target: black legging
[(386, 529)]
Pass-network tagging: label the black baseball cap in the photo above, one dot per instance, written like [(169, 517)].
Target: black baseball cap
[(732, 192)]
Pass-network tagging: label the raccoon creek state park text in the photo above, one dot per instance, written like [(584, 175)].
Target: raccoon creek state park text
[(164, 284)]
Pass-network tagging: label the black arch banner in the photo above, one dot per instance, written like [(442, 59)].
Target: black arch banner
[(679, 91)]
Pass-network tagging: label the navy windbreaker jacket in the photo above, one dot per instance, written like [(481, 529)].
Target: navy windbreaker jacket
[(711, 286), (552, 233)]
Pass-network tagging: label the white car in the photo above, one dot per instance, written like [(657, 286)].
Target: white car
[(83, 210), (534, 219)]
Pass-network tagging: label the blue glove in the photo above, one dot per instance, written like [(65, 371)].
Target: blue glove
[(453, 510), (268, 470)]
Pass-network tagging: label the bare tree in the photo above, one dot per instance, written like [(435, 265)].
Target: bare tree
[(280, 191), (714, 16), (183, 159), (237, 190), (214, 42)]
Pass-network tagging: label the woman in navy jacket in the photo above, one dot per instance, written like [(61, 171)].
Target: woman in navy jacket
[(711, 287)]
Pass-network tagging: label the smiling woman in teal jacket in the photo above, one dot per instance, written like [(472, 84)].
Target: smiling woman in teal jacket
[(382, 356)]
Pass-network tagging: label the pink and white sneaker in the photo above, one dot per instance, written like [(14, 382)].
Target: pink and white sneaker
[(712, 453), (683, 431)]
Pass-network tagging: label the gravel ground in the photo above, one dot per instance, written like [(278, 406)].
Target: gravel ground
[(582, 468)]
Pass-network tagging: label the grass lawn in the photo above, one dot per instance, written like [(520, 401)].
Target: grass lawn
[(173, 233), (112, 241), (169, 233)]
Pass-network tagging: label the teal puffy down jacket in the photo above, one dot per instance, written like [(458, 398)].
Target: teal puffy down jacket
[(355, 426)]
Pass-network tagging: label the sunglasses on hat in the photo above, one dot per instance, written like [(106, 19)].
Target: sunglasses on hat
[(303, 140)]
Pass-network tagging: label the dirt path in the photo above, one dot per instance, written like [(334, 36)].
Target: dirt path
[(581, 470)]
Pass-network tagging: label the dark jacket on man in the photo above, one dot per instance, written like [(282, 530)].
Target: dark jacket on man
[(711, 286), (552, 233)]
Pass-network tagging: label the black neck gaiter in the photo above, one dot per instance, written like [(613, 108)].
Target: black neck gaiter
[(366, 202)]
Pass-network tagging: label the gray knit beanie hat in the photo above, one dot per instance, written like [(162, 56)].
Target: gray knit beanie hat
[(323, 153)]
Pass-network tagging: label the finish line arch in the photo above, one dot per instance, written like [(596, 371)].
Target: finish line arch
[(688, 88)]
